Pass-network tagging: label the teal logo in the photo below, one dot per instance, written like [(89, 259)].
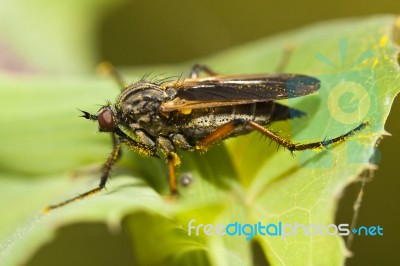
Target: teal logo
[(348, 97)]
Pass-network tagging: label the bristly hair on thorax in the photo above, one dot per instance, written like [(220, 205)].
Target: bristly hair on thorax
[(157, 79)]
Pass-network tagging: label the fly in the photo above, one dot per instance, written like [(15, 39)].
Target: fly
[(155, 118)]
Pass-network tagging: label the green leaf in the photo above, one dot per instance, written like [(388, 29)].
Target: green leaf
[(49, 155)]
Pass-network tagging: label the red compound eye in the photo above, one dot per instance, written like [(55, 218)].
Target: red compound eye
[(106, 120)]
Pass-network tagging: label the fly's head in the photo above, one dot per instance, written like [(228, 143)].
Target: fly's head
[(136, 108), (106, 118)]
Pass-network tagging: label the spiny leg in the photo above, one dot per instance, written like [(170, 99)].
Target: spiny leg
[(143, 149), (306, 146), (218, 134), (196, 69), (226, 129), (112, 158), (96, 169), (115, 141), (173, 161)]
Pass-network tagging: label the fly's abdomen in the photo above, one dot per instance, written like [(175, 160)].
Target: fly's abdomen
[(201, 122)]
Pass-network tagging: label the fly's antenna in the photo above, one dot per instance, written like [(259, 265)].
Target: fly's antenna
[(88, 115)]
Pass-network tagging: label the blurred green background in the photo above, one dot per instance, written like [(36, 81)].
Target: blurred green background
[(137, 33)]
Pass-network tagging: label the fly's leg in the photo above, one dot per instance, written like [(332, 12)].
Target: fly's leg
[(112, 158), (219, 134), (306, 146), (115, 141), (180, 141), (173, 161), (108, 69), (196, 69), (226, 129)]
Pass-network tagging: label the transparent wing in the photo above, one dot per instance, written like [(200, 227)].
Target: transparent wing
[(237, 89)]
